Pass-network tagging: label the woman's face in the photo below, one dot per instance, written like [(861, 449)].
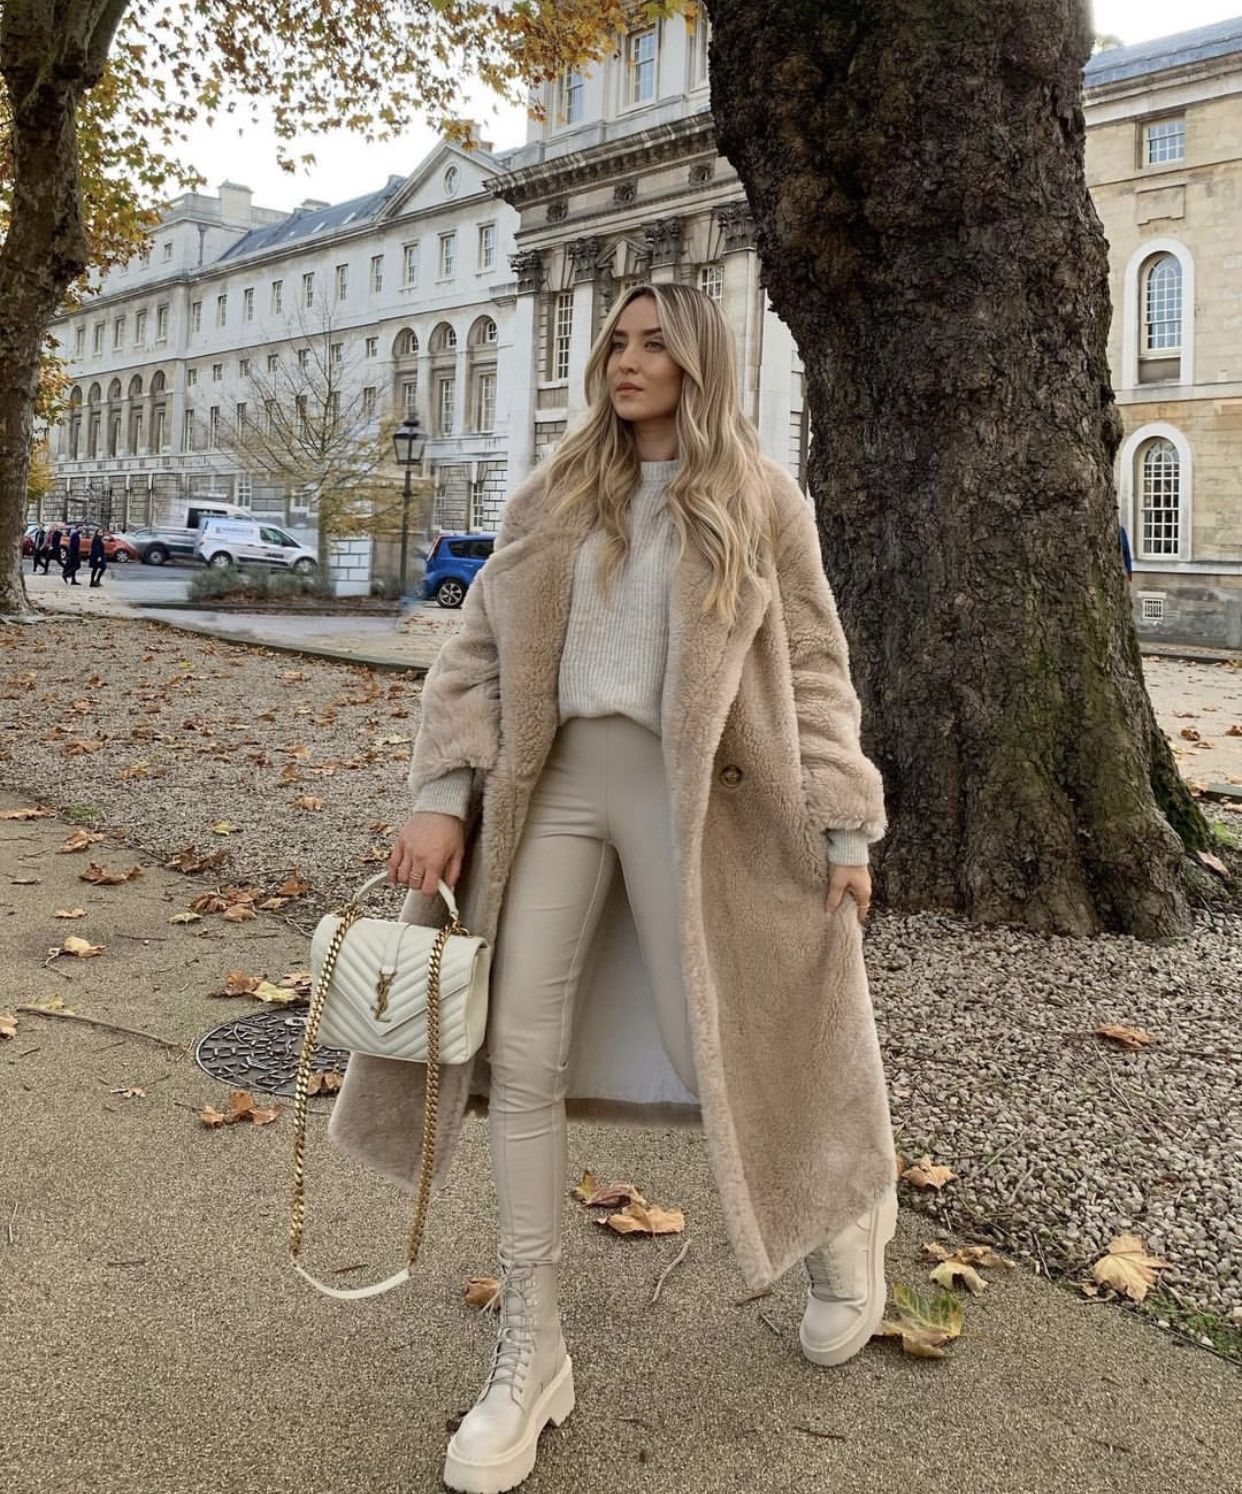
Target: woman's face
[(643, 380)]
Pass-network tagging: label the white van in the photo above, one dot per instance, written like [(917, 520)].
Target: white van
[(243, 542)]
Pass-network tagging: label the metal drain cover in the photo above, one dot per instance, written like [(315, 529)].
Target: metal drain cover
[(261, 1052)]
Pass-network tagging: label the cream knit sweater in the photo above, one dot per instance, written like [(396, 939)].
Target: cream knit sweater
[(615, 649)]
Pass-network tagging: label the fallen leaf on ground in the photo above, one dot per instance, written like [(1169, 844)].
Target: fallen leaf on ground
[(69, 913), (189, 860), (614, 1195), (1128, 1268), (308, 801), (241, 1107), (101, 877), (224, 827), (971, 1255), (239, 913), (926, 1174), (1128, 1037), (483, 1291), (186, 917), (924, 1324), (649, 1219), (294, 885), (1216, 864), (947, 1272), (325, 1083), (130, 1092), (40, 813), (276, 995), (80, 839), (48, 1004), (82, 949), (8, 1025), (588, 1186)]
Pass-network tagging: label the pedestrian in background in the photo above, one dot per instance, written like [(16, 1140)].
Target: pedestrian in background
[(73, 557), (98, 557), (53, 546), (38, 545)]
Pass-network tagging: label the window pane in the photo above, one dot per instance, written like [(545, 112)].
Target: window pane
[(1161, 492), (1163, 306), (1166, 141)]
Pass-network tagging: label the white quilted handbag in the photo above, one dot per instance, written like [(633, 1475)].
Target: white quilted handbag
[(391, 990)]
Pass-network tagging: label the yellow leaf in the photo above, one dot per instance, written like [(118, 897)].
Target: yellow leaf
[(586, 1187), (1128, 1268), (82, 949), (275, 995), (924, 1324), (69, 913), (224, 827), (947, 1271), (186, 917), (8, 1025)]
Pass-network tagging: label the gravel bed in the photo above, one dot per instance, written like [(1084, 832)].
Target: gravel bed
[(1059, 1140)]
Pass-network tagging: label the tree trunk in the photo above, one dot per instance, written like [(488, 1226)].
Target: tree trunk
[(48, 55), (916, 177)]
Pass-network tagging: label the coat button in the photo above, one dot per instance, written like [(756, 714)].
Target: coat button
[(731, 773)]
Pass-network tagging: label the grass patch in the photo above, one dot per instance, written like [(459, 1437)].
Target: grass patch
[(1195, 1323), (80, 813), (1226, 834)]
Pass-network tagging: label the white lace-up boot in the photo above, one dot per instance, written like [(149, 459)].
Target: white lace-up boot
[(531, 1382), (845, 1301)]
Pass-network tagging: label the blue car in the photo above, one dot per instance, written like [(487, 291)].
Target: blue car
[(453, 563)]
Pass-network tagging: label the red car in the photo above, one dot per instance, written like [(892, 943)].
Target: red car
[(116, 546)]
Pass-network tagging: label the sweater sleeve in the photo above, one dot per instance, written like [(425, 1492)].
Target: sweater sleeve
[(848, 848), (843, 787), (448, 794)]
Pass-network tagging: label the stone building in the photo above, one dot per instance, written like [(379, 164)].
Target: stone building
[(621, 181), (1164, 164)]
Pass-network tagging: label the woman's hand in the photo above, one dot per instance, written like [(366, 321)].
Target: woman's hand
[(856, 880), (429, 846)]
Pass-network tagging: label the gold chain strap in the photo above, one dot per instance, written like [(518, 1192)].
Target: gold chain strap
[(350, 914)]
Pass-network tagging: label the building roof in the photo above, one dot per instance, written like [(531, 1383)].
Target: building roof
[(306, 222), (1115, 64)]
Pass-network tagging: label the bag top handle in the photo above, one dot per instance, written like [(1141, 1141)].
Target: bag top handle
[(445, 891)]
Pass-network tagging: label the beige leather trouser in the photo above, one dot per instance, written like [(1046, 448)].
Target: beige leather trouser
[(600, 799)]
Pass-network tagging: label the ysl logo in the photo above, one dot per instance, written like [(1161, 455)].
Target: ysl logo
[(382, 984)]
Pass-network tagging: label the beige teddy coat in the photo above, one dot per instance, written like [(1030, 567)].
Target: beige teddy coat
[(760, 735)]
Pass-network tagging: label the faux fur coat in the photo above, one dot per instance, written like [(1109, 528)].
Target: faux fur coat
[(760, 735)]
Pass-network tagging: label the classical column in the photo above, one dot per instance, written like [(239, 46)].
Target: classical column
[(516, 381), (582, 254)]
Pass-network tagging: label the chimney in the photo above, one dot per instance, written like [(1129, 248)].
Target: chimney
[(235, 203), (312, 205)]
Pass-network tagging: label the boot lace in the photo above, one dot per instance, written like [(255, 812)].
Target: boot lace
[(515, 1336)]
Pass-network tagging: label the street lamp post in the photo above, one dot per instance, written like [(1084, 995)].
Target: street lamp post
[(409, 442)]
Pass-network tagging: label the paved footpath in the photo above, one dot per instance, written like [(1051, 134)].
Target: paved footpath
[(155, 1342)]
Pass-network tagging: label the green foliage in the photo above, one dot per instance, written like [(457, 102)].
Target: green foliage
[(214, 583)]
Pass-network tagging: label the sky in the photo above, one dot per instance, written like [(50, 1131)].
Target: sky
[(346, 168)]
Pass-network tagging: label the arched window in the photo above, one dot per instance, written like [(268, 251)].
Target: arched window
[(482, 333), (1160, 499), (158, 383), (406, 344), (114, 389), (1162, 306), (443, 339), (135, 387)]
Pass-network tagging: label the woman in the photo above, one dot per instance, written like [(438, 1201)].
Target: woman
[(650, 672), (98, 557)]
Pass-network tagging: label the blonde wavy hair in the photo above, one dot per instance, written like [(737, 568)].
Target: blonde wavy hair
[(718, 498)]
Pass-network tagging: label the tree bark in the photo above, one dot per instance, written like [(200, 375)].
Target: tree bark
[(49, 54), (915, 173)]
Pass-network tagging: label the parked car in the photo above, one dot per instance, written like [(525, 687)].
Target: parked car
[(117, 546), (244, 542), (159, 544), (453, 563)]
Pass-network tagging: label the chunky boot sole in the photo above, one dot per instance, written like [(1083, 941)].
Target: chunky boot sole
[(507, 1470), (886, 1228)]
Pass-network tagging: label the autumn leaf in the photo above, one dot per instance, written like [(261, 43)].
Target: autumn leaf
[(308, 801), (588, 1186), (49, 1004), (925, 1174), (224, 827), (130, 1093), (69, 913), (325, 1083), (1126, 1037), (1216, 864), (8, 1026), (40, 813), (947, 1272), (1127, 1267), (971, 1255), (614, 1195), (238, 983), (80, 839), (189, 860), (186, 917), (923, 1323), (1189, 733), (294, 885), (483, 1292), (649, 1219), (103, 878), (241, 1106), (82, 949), (276, 995), (239, 913)]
